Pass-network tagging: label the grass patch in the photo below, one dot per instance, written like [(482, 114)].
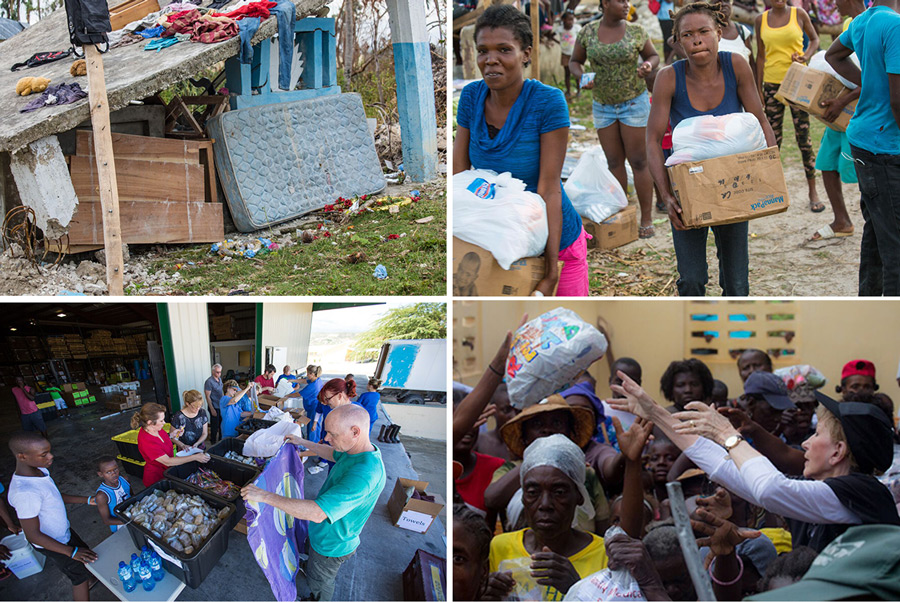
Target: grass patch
[(415, 263)]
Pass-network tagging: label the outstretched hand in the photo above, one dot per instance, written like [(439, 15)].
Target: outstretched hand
[(720, 535), (705, 421), (632, 441), (718, 504), (738, 417), (635, 399)]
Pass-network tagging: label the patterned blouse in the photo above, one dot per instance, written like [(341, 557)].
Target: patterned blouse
[(616, 65)]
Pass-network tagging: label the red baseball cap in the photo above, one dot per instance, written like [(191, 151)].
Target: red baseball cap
[(860, 367)]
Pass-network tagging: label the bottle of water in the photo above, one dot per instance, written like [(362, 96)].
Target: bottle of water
[(145, 554), (156, 566), (126, 576), (135, 566), (146, 577)]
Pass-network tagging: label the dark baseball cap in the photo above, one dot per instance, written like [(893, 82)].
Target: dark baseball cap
[(862, 563), (769, 387), (868, 431)]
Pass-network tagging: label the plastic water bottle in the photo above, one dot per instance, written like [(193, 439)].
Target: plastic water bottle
[(146, 577), (145, 554), (126, 576), (156, 566), (135, 566)]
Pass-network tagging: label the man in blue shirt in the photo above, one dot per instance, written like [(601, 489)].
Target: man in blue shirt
[(874, 135), (345, 501), (212, 388)]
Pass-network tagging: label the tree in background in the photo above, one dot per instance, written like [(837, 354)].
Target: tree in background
[(416, 321)]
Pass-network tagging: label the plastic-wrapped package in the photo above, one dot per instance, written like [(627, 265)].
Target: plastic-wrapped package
[(607, 585), (801, 374), (819, 63), (548, 353), (711, 136), (595, 193), (265, 443), (496, 213)]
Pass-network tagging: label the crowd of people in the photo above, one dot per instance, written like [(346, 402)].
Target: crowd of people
[(508, 123), (774, 478), (338, 432)]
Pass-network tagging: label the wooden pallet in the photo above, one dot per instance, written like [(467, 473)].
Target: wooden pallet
[(167, 192)]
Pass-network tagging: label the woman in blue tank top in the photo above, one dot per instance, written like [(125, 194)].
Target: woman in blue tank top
[(707, 82)]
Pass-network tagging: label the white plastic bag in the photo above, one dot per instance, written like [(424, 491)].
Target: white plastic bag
[(265, 443), (607, 585), (547, 353), (710, 136), (284, 387), (819, 63), (277, 415), (496, 213), (595, 193)]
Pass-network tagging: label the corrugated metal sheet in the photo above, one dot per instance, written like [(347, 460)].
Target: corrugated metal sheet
[(189, 323), (9, 28), (288, 325)]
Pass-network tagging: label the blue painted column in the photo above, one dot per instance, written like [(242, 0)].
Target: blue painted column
[(415, 88)]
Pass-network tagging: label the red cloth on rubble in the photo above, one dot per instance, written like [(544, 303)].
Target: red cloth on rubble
[(206, 29), (254, 9)]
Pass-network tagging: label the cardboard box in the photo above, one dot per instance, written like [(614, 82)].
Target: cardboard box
[(70, 387), (412, 514), (491, 280), (805, 88), (116, 406), (730, 189), (616, 230)]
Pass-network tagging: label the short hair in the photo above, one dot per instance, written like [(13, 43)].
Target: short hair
[(793, 565), (474, 524), (104, 459), (219, 366), (148, 412), (692, 365), (230, 383), (271, 368), (718, 385), (191, 396), (631, 363), (20, 442), (509, 17), (754, 350), (661, 540), (712, 9)]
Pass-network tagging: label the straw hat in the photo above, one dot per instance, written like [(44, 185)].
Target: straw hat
[(583, 418)]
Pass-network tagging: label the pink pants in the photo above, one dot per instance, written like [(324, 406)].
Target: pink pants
[(573, 277)]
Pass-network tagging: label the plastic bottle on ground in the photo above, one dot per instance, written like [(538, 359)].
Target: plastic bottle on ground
[(156, 566), (135, 565), (126, 575), (145, 554), (146, 577)]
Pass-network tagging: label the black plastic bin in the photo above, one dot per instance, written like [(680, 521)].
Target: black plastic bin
[(195, 567), (226, 445), (237, 473), (251, 425)]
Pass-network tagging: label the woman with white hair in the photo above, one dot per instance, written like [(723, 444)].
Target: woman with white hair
[(543, 560)]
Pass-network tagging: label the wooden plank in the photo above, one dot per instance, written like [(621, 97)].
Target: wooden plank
[(151, 222), (55, 247), (125, 13), (106, 171), (143, 180), (143, 148), (209, 162)]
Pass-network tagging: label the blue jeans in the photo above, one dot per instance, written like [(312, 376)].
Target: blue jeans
[(284, 12), (733, 254), (879, 253)]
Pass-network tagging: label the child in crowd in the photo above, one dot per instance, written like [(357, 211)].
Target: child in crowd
[(753, 360), (567, 30), (113, 489), (42, 511), (235, 407), (857, 377), (471, 547), (489, 442), (661, 455), (719, 394)]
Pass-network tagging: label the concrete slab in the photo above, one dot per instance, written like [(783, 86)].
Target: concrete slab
[(373, 573), (131, 73)]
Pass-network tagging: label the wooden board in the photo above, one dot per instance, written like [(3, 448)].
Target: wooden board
[(150, 222), (143, 148), (129, 11), (142, 180)]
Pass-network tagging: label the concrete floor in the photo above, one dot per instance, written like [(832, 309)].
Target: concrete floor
[(373, 573)]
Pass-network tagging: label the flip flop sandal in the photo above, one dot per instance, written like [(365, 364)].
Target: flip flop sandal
[(826, 233), (646, 231), (819, 207), (661, 207)]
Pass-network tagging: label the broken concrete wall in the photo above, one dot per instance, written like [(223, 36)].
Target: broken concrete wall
[(44, 185)]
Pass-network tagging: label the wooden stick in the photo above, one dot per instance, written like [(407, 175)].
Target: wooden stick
[(106, 171), (536, 44)]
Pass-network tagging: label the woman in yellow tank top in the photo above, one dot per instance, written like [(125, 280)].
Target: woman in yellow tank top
[(779, 42)]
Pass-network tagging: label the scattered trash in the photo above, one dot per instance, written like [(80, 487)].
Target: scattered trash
[(425, 220), (380, 272), (307, 236), (359, 257), (243, 248), (393, 236)]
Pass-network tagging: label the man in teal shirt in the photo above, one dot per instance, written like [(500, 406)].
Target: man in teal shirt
[(345, 501)]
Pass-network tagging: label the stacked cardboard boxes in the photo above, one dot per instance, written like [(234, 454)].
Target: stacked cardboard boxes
[(124, 400), (223, 328), (77, 394)]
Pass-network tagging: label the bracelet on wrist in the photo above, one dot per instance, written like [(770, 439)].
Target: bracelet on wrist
[(494, 370), (733, 581), (75, 551)]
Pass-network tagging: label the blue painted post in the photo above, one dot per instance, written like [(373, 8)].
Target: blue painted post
[(415, 88)]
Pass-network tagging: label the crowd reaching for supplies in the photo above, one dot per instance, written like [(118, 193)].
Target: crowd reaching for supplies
[(792, 494), (714, 93), (338, 431)]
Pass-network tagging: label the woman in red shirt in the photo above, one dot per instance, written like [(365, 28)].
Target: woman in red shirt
[(155, 445)]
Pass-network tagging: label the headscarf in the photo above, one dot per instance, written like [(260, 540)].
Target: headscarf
[(559, 452)]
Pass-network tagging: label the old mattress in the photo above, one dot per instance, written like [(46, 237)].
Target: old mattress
[(277, 162)]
